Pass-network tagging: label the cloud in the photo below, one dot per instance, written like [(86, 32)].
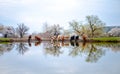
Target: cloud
[(36, 12), (62, 5)]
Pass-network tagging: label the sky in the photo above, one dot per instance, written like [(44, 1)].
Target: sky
[(34, 13)]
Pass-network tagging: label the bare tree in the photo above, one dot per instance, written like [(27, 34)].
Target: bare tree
[(79, 28), (22, 30), (53, 30), (95, 25), (76, 26)]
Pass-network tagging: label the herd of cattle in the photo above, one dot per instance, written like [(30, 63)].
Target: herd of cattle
[(60, 38), (74, 40)]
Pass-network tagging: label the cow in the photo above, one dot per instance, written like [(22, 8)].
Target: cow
[(72, 38), (29, 38), (84, 37), (38, 38)]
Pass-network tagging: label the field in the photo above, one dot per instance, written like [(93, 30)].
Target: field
[(101, 39), (106, 39)]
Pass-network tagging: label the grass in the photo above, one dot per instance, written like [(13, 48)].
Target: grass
[(5, 39), (106, 39), (101, 39)]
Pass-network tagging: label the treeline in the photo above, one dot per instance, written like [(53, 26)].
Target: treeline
[(9, 31), (92, 27)]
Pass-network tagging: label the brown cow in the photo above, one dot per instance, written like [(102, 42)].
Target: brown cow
[(38, 38), (84, 37), (64, 38)]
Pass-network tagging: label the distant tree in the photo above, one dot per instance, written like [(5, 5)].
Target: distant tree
[(8, 31), (45, 26), (22, 30), (11, 31), (66, 32), (95, 25), (56, 29), (115, 32), (53, 30), (1, 27)]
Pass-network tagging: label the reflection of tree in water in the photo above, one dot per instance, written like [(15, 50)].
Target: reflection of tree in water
[(115, 47), (78, 49), (22, 48), (6, 48), (52, 49), (93, 53), (75, 52)]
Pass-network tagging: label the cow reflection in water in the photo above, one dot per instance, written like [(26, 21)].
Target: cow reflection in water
[(74, 43), (53, 49), (6, 48), (37, 43)]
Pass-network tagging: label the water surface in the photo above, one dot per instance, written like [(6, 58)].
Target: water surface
[(60, 58)]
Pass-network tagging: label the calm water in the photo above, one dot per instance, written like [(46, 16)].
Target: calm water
[(60, 58)]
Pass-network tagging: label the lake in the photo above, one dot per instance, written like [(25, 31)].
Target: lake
[(59, 58)]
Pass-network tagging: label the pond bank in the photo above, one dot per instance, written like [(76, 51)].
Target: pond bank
[(103, 39)]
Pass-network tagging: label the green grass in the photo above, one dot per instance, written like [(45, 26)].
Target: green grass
[(106, 39), (5, 40)]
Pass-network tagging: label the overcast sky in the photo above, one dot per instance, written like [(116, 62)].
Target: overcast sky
[(35, 12)]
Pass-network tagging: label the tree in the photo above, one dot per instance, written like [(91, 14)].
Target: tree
[(56, 29), (22, 30), (53, 30), (11, 31), (8, 31), (66, 32), (76, 26), (95, 25), (80, 29), (115, 32), (45, 26)]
